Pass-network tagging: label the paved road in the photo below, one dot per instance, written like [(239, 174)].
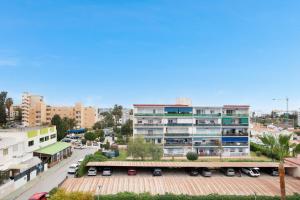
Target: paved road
[(50, 178)]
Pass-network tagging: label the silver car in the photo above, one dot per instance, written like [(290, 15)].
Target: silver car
[(92, 171), (206, 172)]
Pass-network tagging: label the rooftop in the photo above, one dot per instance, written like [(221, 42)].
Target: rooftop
[(53, 148), (159, 105), (23, 129)]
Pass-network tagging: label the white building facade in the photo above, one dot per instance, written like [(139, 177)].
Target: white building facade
[(208, 131)]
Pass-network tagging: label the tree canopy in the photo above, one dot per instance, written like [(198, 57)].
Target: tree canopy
[(3, 96)]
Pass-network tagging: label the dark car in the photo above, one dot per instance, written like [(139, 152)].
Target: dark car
[(194, 172), (271, 171), (157, 172), (206, 172), (131, 172)]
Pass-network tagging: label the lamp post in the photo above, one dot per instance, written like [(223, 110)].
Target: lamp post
[(99, 187)]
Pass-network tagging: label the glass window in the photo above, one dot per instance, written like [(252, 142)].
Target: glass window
[(30, 143), (46, 138), (5, 152), (42, 139)]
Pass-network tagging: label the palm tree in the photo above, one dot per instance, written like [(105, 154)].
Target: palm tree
[(8, 103), (283, 148), (269, 140)]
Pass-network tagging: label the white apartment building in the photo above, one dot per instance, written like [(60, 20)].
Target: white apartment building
[(208, 131), (17, 163)]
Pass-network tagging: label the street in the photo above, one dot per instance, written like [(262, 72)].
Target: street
[(49, 179)]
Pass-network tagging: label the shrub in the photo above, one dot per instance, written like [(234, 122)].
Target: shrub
[(97, 157), (192, 155), (258, 153)]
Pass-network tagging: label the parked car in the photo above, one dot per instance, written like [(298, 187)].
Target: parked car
[(194, 172), (131, 172), (253, 172), (206, 172), (73, 168), (92, 171), (271, 171), (106, 171), (80, 146), (228, 171), (39, 196), (157, 172)]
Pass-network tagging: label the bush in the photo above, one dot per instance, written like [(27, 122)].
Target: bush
[(192, 155), (97, 157), (264, 151), (258, 153), (62, 194)]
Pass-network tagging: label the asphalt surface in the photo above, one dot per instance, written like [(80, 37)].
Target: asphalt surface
[(49, 179)]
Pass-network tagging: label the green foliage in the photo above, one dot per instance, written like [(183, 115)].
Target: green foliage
[(155, 151), (3, 108), (139, 149), (97, 157), (61, 194), (60, 126), (106, 145), (8, 103), (147, 196), (90, 136), (192, 155), (117, 113), (127, 128)]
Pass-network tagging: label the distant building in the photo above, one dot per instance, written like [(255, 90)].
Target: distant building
[(182, 128), (35, 112), (298, 118)]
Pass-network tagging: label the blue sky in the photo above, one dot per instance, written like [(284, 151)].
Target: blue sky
[(152, 51)]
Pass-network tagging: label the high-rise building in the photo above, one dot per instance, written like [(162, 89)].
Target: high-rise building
[(35, 112), (181, 128)]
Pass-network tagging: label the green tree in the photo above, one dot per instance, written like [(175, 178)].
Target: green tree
[(61, 127), (192, 156), (155, 151), (70, 123), (100, 134), (90, 136), (269, 141), (127, 128), (8, 103), (98, 125), (138, 148), (117, 113), (282, 148), (2, 108), (108, 120)]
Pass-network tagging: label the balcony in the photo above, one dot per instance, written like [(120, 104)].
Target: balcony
[(152, 135), (149, 125), (178, 135), (177, 144), (235, 134), (236, 115), (208, 135), (179, 124), (148, 114), (209, 144), (234, 124), (178, 114), (207, 124), (235, 144), (208, 115)]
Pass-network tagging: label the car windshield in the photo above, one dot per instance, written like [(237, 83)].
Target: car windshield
[(92, 170), (255, 171)]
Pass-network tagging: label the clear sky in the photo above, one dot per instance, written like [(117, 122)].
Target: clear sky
[(106, 52)]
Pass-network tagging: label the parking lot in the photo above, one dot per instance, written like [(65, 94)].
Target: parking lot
[(178, 181)]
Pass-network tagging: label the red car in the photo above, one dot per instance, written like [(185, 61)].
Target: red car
[(39, 196), (131, 172)]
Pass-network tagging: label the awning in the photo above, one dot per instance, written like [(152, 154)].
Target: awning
[(234, 139), (53, 148)]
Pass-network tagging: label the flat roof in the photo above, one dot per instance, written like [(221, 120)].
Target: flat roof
[(184, 164), (160, 105), (53, 148)]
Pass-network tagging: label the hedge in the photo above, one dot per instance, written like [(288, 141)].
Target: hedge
[(147, 196), (264, 150)]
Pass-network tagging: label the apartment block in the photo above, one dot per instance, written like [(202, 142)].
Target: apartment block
[(35, 112), (181, 128)]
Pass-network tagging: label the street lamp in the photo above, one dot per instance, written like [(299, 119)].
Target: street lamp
[(99, 187)]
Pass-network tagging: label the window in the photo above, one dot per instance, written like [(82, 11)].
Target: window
[(5, 152), (150, 132), (30, 143), (150, 121), (42, 139), (154, 111), (200, 112), (159, 140), (212, 112), (46, 138), (232, 150), (53, 136)]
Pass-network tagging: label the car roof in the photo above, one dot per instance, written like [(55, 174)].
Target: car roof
[(38, 195), (74, 165)]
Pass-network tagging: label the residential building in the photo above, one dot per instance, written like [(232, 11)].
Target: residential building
[(35, 112), (181, 128), (17, 164)]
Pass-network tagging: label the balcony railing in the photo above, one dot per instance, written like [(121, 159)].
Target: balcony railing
[(208, 115), (207, 124), (178, 135), (179, 124), (207, 135), (178, 144), (196, 144), (149, 125), (236, 124), (235, 134), (179, 114), (236, 115), (149, 114), (235, 144)]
